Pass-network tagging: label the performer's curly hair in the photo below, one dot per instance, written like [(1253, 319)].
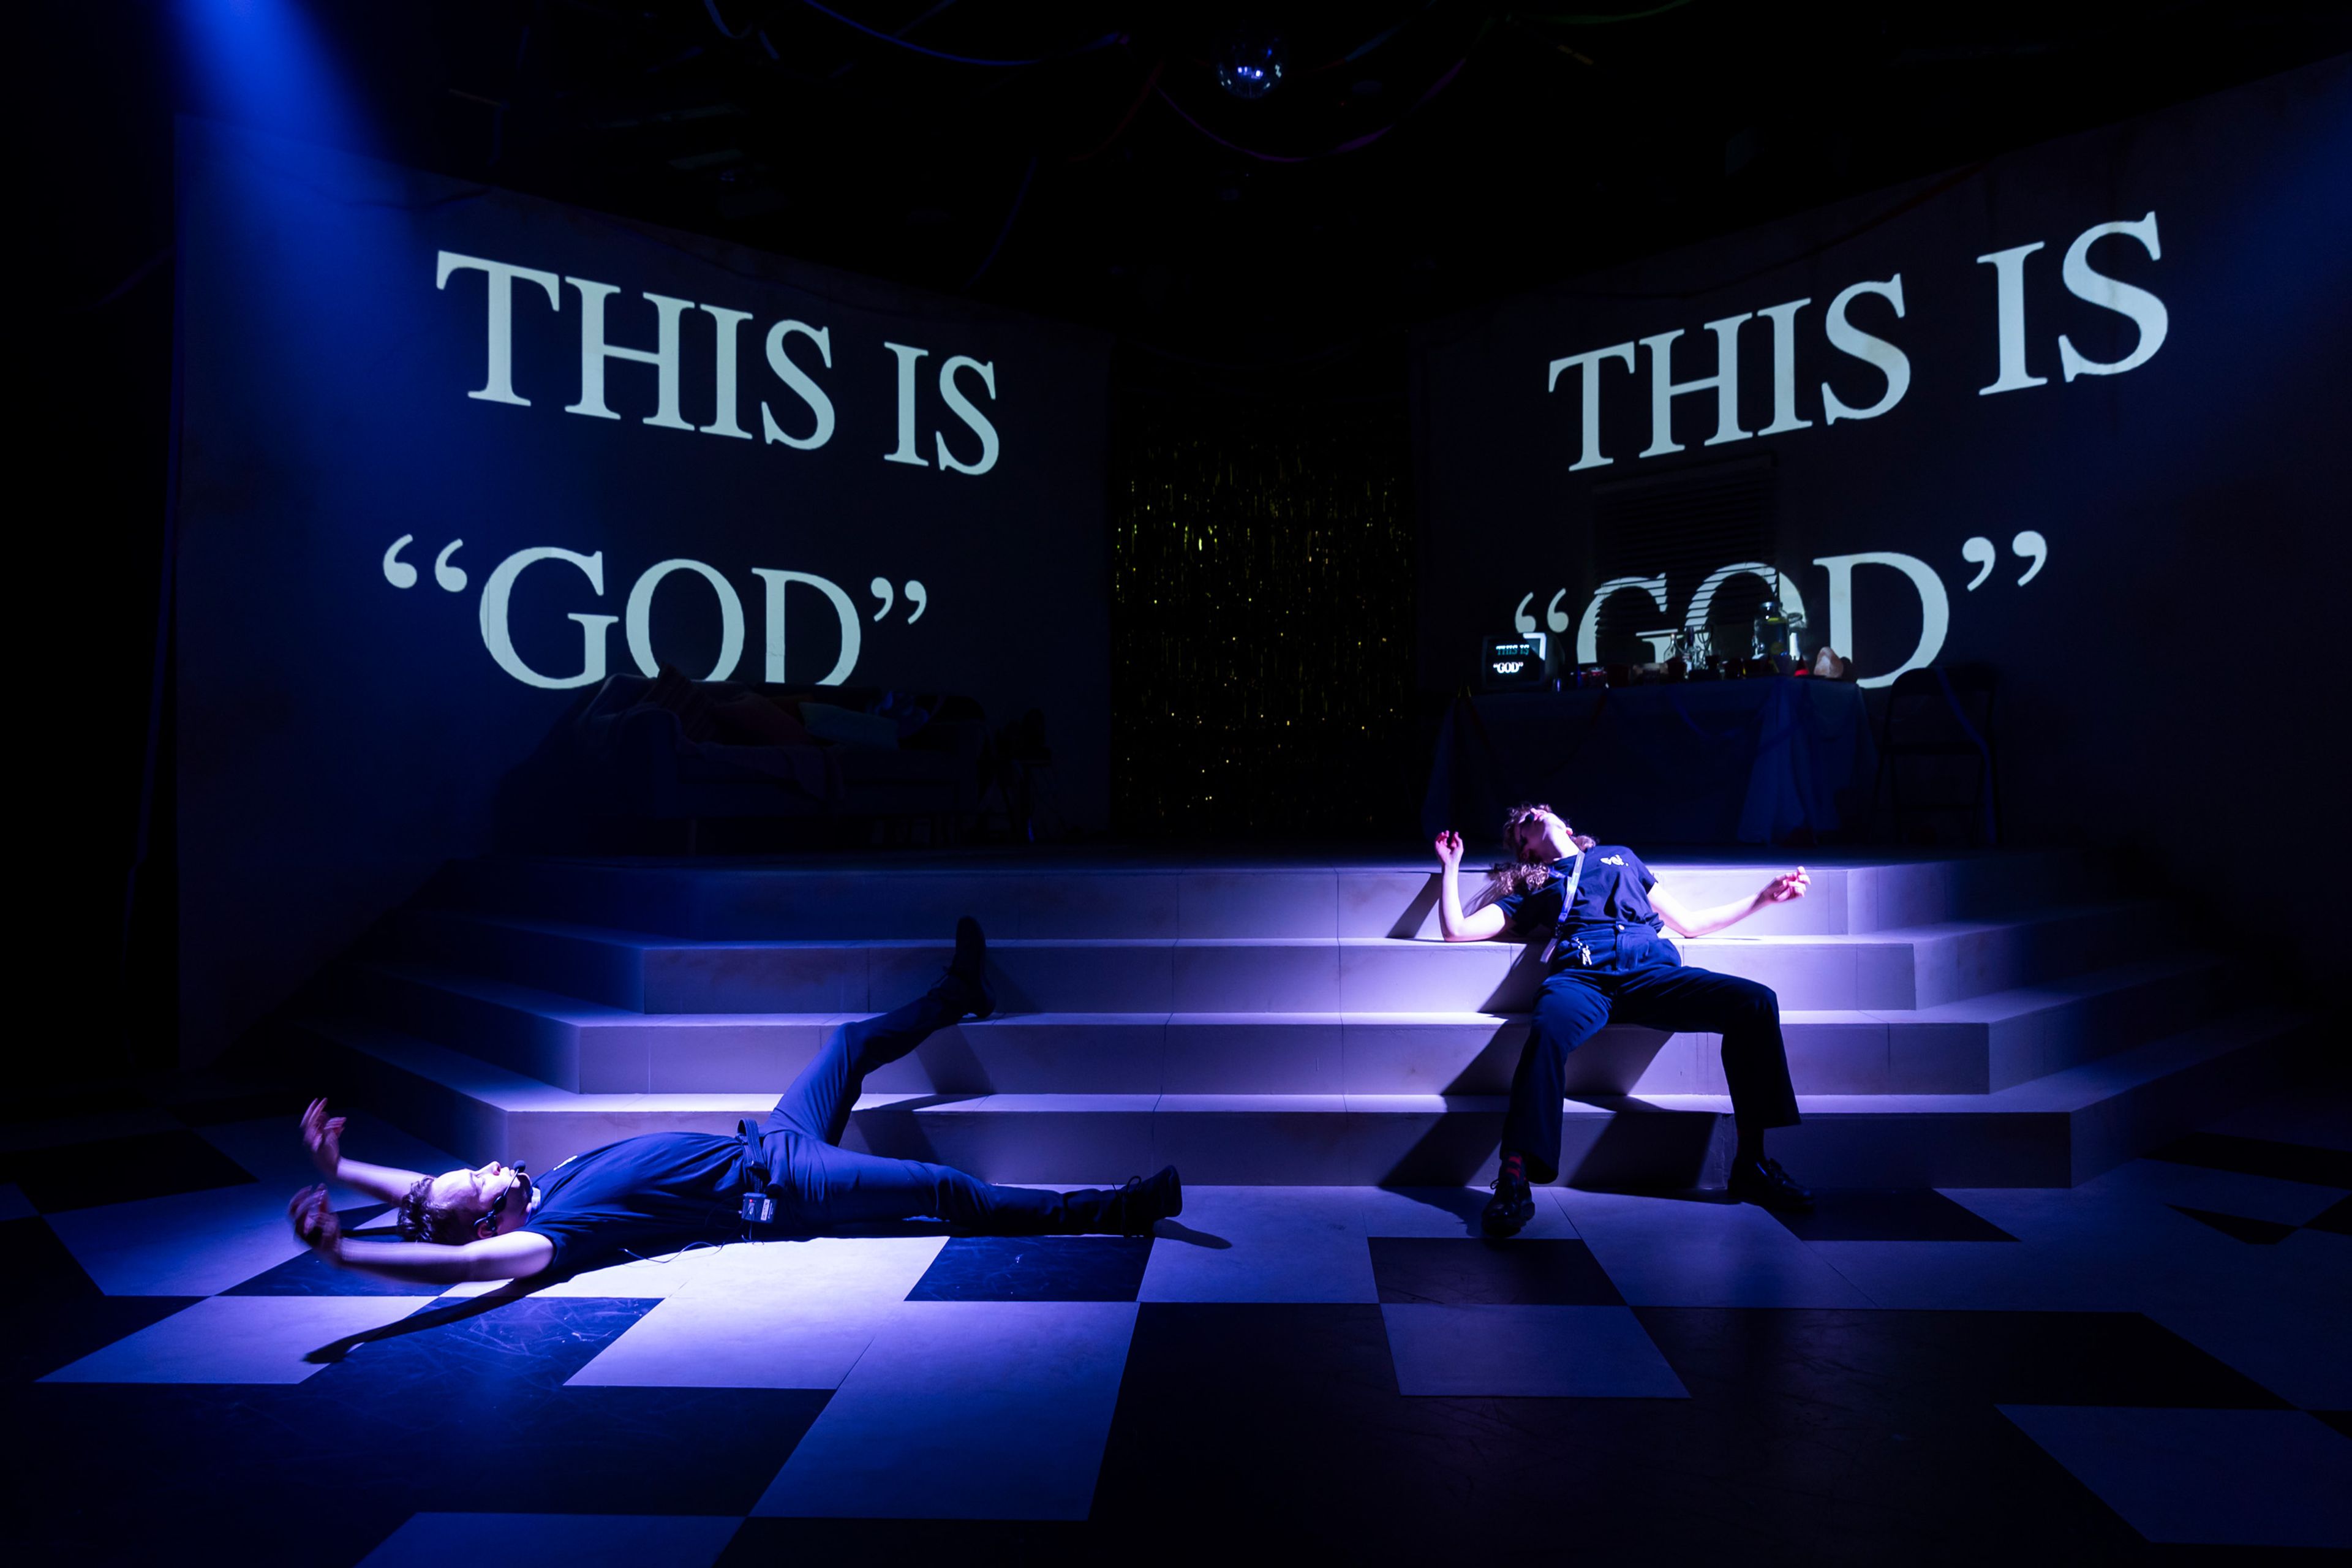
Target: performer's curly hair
[(422, 1219), (1524, 874)]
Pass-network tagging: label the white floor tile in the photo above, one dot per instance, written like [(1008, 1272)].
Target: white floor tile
[(2221, 1478), (775, 1315), (237, 1339), (966, 1410), (1674, 1252), (1590, 1352), (2158, 1182), (865, 1268), (1287, 1244), (555, 1541), (729, 1341)]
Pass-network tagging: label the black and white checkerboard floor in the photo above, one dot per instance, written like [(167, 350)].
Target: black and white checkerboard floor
[(2150, 1367)]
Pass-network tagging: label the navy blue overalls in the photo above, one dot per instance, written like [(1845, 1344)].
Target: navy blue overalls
[(1610, 964)]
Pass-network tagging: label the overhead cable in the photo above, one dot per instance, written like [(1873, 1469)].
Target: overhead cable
[(851, 22)]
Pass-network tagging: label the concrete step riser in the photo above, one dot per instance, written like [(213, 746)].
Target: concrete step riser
[(1316, 1140), (734, 903), (1328, 1053), (1422, 1148), (1375, 975)]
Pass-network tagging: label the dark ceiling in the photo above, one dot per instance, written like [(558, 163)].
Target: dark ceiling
[(1489, 148), (1416, 156)]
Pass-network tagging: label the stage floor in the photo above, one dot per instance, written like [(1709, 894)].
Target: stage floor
[(2155, 1356)]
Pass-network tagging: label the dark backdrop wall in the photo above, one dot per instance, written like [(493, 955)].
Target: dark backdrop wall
[(2077, 412), (450, 456), (1639, 136)]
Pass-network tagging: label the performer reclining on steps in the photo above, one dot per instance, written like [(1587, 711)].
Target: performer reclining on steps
[(661, 1189), (1601, 908)]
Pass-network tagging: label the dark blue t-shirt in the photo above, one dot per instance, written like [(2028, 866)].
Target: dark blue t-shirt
[(646, 1193), (1613, 891)]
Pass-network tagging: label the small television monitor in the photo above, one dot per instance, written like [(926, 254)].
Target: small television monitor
[(1507, 664)]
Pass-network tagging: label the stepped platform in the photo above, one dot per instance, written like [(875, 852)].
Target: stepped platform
[(1980, 1020)]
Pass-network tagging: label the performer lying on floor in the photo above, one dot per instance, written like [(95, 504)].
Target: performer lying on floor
[(660, 1190), (1601, 908)]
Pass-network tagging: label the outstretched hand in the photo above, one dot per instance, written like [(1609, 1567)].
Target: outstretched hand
[(324, 1136), (315, 1222), (1449, 849), (1786, 886)]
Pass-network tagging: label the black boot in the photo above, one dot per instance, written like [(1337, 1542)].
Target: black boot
[(966, 982), (1509, 1211), (1761, 1181), (1129, 1210)]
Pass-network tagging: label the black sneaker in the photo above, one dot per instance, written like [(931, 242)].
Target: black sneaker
[(1511, 1206), (968, 971), (1143, 1200), (1765, 1184)]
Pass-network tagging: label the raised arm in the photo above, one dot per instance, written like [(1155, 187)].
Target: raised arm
[(517, 1254), (322, 1135), (1452, 923), (1699, 922)]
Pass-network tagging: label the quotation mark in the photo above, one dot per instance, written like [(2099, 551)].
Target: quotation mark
[(401, 574), (1978, 553), (916, 596)]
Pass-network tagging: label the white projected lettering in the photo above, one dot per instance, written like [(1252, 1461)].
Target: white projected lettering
[(2029, 544), (963, 382), (396, 572), (2009, 336), (1978, 553), (2032, 545), (2144, 310), (1587, 631), (497, 636), (1885, 357), (637, 618), (640, 621), (1935, 603)]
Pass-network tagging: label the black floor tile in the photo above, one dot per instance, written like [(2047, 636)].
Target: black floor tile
[(1903, 1214), (2260, 1232), (2336, 1218), (38, 1337), (2260, 1157), (1035, 1268), (1814, 1438), (466, 1414), (212, 1111), (40, 1266), (308, 1274), (1461, 1272), (18, 1108), (119, 1170), (1998, 1357), (962, 1542)]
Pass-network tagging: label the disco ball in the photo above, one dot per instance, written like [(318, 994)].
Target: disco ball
[(1251, 65)]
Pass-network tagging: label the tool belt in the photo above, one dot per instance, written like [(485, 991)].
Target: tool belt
[(1610, 948), (759, 1201)]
